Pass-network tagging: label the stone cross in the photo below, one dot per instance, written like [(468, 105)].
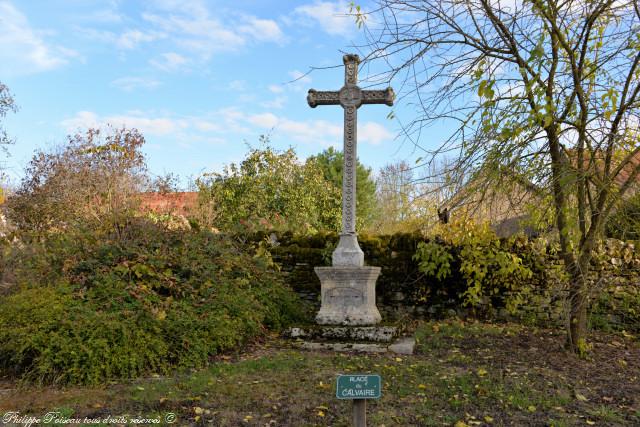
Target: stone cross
[(350, 97)]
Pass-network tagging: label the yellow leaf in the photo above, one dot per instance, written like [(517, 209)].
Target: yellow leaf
[(591, 423), (320, 414), (198, 410), (461, 424), (488, 419), (248, 418), (531, 408), (398, 359), (163, 399), (197, 418), (322, 407), (581, 397), (481, 372), (422, 386)]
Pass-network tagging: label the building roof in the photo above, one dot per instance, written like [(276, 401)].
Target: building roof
[(179, 202)]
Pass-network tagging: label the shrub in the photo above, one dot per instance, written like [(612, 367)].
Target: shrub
[(493, 274), (87, 309), (269, 190), (624, 224)]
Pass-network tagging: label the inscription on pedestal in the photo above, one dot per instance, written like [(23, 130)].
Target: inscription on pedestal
[(345, 297)]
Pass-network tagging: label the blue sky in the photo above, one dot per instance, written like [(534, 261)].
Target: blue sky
[(199, 78)]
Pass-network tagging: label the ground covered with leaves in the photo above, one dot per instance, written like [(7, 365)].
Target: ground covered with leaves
[(463, 374)]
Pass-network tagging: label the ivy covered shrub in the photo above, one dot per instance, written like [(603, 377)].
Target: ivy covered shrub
[(488, 271), (624, 224), (88, 308)]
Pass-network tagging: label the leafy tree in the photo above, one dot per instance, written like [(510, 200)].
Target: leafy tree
[(6, 104), (92, 181), (396, 192), (269, 189), (331, 162), (548, 90)]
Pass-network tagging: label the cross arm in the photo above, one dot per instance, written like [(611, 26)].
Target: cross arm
[(378, 96), (315, 98)]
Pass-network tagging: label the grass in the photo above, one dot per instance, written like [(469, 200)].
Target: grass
[(463, 374)]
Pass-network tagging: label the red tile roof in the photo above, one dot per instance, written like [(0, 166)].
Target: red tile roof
[(180, 203)]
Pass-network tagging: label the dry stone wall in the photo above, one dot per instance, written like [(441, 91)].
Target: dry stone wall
[(615, 271)]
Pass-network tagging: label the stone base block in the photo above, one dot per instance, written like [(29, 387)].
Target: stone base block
[(348, 296), (383, 334), (401, 346)]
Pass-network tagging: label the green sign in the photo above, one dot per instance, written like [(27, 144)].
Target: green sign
[(358, 387)]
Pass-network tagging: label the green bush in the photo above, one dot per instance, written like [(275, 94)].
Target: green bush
[(624, 224), (87, 309)]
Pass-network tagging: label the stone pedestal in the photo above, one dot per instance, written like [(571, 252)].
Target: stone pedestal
[(348, 296)]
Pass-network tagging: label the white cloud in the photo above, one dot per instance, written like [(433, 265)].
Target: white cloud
[(169, 61), (195, 30), (276, 88), (190, 7), (319, 132), (129, 84), (148, 126), (217, 125), (373, 133), (22, 49), (105, 16), (264, 30), (331, 16), (265, 120), (130, 39), (206, 126), (275, 103), (199, 33)]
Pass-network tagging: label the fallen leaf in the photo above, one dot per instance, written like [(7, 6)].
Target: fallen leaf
[(581, 397), (531, 408), (320, 414), (591, 423), (422, 386), (481, 372), (198, 410), (488, 419)]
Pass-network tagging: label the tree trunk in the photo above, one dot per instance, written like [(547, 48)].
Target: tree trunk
[(577, 333)]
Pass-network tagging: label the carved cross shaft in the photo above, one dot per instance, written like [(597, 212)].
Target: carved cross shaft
[(350, 97)]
